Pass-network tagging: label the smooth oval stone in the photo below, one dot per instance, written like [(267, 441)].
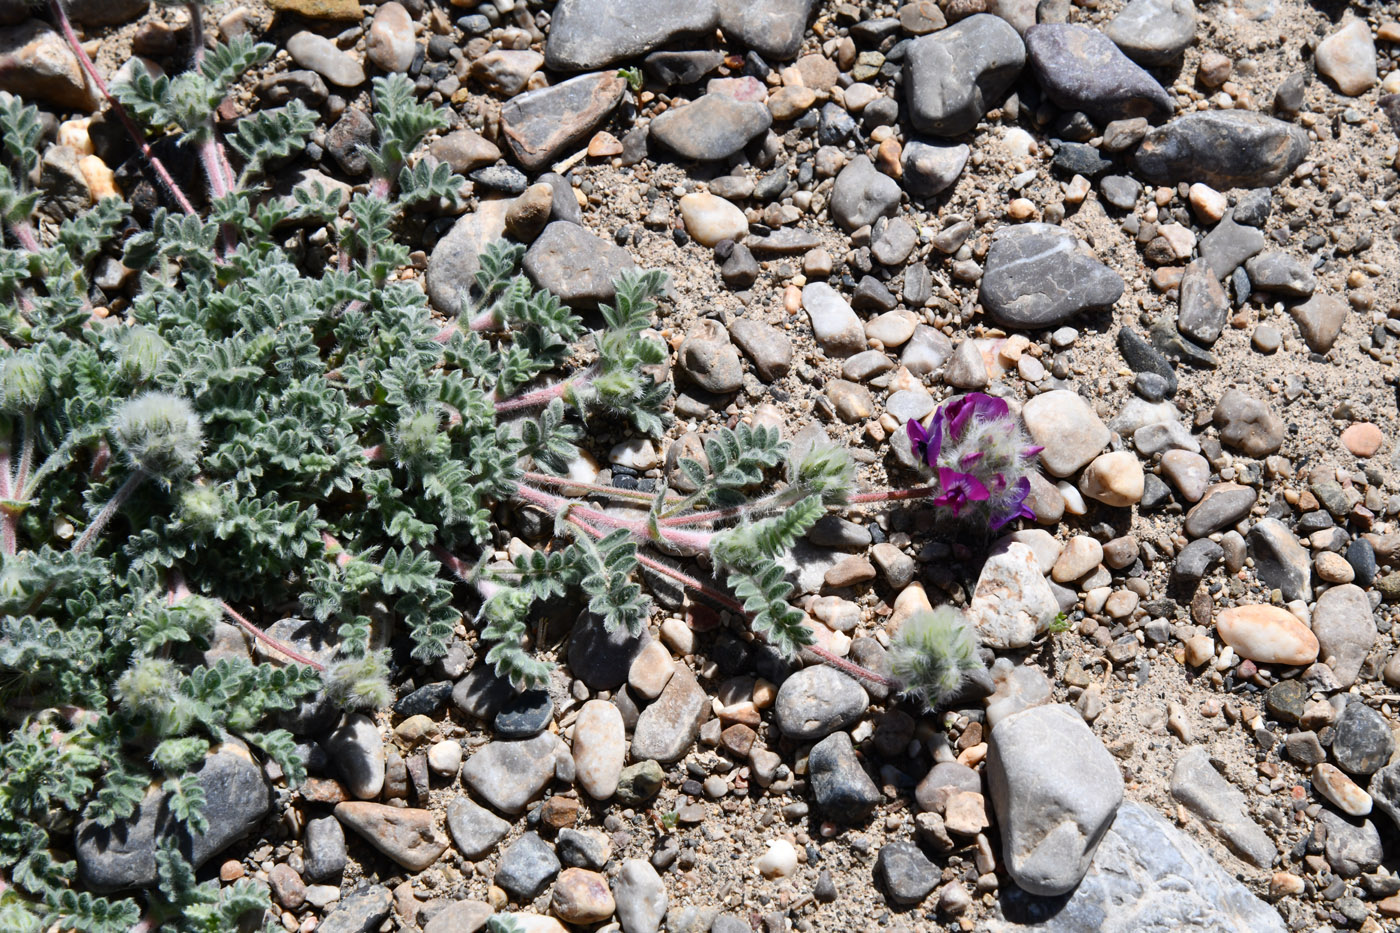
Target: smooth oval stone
[(1267, 634), (1223, 149), (712, 127), (710, 219), (589, 34), (1333, 784), (1154, 32), (953, 76), (540, 125), (600, 748)]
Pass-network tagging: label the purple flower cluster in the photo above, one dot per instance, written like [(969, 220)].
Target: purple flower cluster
[(980, 457)]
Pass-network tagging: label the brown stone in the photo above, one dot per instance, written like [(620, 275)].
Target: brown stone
[(540, 125)]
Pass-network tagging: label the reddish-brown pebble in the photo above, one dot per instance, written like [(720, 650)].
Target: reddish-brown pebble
[(1363, 439)]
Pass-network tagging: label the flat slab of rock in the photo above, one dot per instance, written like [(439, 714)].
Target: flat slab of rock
[(1221, 806), (1069, 430), (1345, 630), (834, 323), (667, 728), (1146, 875), (952, 77), (1040, 275), (363, 911), (475, 830), (508, 775), (405, 835), (1012, 603), (773, 28), (576, 265), (1081, 69), (1223, 149), (540, 126), (589, 34), (711, 127), (1055, 789)]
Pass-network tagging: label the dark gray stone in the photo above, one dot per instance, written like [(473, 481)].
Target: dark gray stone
[(539, 126), (1385, 791), (527, 865), (426, 700), (601, 658), (574, 264), (773, 28), (835, 126), (1252, 208), (1202, 306), (672, 67), (817, 701), (1281, 274), (475, 829), (1223, 149), (1279, 560), (1081, 69), (711, 127), (861, 194), (952, 77), (1362, 558), (364, 911), (583, 848), (590, 34), (906, 873), (1146, 875), (1363, 742), (237, 797), (524, 714), (481, 693), (1154, 32), (1079, 159), (1227, 247), (1320, 321), (1353, 846), (843, 790), (1222, 505), (323, 849), (1142, 357), (1248, 425), (1120, 191), (104, 12), (932, 168), (1040, 275), (1196, 559)]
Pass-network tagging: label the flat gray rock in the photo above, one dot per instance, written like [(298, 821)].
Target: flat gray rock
[(540, 126), (1345, 630), (1055, 789), (475, 829), (1202, 305), (360, 912), (1223, 149), (1154, 32), (773, 28), (817, 701), (576, 265), (953, 76), (669, 726), (932, 168), (1280, 561), (589, 34), (1081, 69), (1040, 275), (1146, 876), (711, 127), (1221, 806), (456, 258), (508, 775)]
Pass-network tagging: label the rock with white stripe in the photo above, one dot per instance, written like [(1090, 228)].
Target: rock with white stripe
[(1041, 275)]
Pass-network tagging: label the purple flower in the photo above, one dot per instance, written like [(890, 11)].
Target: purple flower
[(960, 411), (1012, 506), (960, 489)]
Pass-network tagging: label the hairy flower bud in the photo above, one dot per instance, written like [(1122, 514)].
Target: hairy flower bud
[(22, 383), (932, 654), (419, 439), (161, 435), (143, 350), (201, 507)]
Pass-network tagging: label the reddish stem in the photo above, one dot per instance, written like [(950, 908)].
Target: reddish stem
[(268, 640), (893, 495), (61, 16), (534, 399), (597, 489), (25, 236), (684, 539), (9, 521)]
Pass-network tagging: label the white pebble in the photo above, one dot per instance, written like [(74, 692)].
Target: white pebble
[(445, 758), (779, 861)]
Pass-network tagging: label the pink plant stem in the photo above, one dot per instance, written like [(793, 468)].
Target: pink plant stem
[(25, 236), (61, 17), (597, 489), (893, 495), (268, 640), (9, 521), (685, 539), (535, 399)]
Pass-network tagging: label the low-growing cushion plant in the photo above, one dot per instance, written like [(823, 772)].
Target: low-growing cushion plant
[(259, 432)]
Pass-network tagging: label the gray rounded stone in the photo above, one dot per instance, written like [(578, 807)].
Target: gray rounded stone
[(1154, 32), (576, 265), (817, 701), (861, 194), (1082, 70), (1040, 275), (953, 76), (906, 873), (590, 34), (527, 865), (1223, 149), (711, 127)]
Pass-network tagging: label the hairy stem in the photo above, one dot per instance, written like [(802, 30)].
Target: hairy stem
[(268, 640), (9, 520), (25, 236), (597, 489), (893, 495), (116, 502), (685, 539), (61, 17), (537, 398), (26, 456)]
